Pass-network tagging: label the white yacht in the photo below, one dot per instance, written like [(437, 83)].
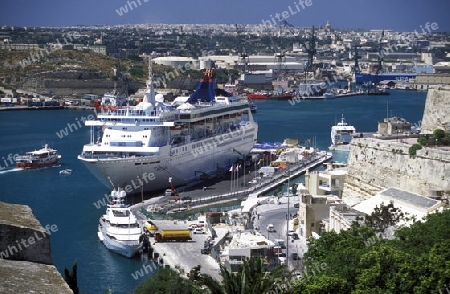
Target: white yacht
[(342, 133), (142, 146), (119, 229)]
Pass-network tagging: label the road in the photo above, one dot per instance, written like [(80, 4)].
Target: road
[(275, 214)]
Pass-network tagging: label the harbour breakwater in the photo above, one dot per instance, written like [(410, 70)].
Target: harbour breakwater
[(375, 164)]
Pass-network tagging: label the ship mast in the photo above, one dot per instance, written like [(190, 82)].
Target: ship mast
[(150, 88)]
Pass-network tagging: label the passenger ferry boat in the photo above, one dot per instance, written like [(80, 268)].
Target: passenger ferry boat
[(145, 145), (118, 228), (39, 158), (342, 133)]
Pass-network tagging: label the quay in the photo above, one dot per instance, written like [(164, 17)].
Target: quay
[(186, 255)]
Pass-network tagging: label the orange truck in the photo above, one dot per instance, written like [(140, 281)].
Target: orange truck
[(173, 235)]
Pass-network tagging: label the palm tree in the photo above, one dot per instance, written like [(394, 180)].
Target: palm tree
[(252, 278)]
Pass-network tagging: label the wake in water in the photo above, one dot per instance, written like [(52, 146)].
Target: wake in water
[(16, 169)]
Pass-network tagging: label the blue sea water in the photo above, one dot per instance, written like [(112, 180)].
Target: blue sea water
[(68, 201)]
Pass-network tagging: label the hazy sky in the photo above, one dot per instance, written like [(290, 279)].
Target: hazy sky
[(398, 15)]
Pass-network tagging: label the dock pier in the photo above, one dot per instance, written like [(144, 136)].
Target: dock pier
[(186, 255)]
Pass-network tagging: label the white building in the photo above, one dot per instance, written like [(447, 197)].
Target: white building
[(342, 217), (329, 181), (177, 61), (244, 245), (412, 204)]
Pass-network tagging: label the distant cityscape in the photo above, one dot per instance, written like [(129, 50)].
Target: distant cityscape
[(252, 55)]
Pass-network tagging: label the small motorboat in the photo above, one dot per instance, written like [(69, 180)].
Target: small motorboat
[(66, 171)]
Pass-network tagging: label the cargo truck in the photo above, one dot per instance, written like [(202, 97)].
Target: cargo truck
[(173, 235)]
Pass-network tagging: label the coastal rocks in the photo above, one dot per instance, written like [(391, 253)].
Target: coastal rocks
[(26, 262), (375, 164), (437, 113)]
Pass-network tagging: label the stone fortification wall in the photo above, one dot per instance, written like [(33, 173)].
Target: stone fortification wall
[(375, 164), (437, 110), (26, 264), (21, 235)]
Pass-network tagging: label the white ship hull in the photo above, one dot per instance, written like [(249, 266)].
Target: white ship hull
[(125, 248), (342, 133), (153, 173)]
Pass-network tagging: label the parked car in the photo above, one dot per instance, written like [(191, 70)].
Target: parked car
[(205, 251), (270, 228), (199, 231)]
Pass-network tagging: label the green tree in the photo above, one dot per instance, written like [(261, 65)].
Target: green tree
[(384, 217), (253, 277), (167, 281), (341, 252), (417, 261)]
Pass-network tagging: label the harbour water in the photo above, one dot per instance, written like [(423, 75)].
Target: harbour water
[(67, 201)]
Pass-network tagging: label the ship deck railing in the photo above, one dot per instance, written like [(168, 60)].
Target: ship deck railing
[(115, 155)]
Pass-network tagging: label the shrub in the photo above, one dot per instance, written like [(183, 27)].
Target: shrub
[(422, 141), (413, 149)]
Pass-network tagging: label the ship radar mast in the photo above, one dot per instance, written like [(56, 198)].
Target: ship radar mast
[(150, 93)]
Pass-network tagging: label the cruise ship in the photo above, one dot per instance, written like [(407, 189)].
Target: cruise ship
[(144, 147)]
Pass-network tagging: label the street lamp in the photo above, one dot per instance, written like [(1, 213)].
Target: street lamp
[(287, 221)]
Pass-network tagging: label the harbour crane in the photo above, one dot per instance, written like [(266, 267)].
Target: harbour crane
[(243, 59)]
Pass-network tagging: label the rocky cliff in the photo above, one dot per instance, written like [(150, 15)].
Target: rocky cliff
[(26, 264)]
